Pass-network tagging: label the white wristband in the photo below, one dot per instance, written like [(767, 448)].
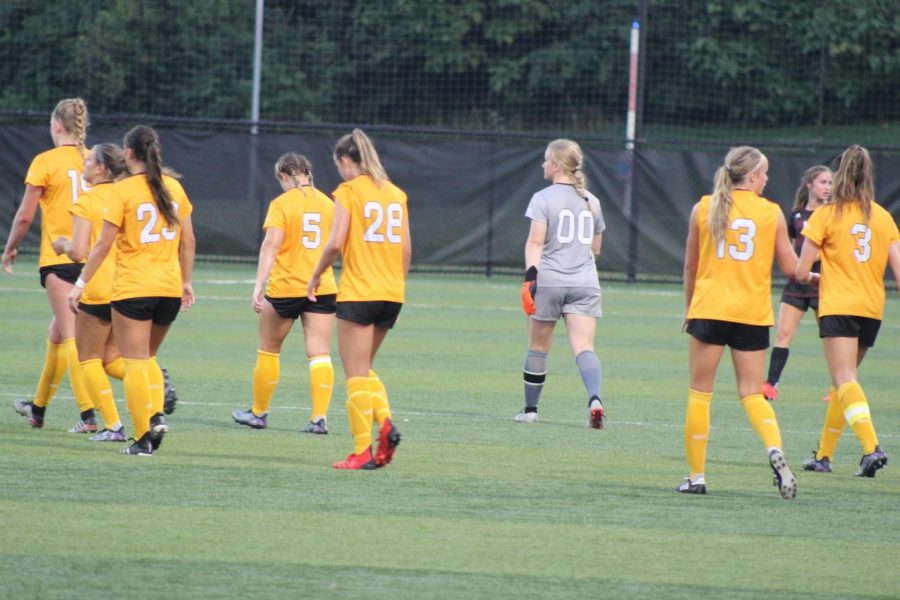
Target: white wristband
[(80, 283)]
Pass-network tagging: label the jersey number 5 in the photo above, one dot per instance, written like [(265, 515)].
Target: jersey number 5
[(148, 212), (743, 250), (312, 230), (374, 214)]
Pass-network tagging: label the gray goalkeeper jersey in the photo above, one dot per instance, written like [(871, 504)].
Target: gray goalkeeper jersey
[(572, 221)]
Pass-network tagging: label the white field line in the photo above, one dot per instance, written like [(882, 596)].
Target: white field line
[(411, 413)]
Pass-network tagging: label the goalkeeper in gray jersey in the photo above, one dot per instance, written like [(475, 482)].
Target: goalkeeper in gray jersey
[(561, 276)]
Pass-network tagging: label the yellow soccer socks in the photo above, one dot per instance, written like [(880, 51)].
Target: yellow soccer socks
[(833, 428), (265, 380), (696, 431), (856, 412), (55, 365), (762, 418), (321, 385), (98, 386), (380, 405), (76, 379), (157, 387), (137, 394), (359, 413), (116, 368)]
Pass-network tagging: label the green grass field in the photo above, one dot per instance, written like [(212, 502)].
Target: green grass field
[(474, 504)]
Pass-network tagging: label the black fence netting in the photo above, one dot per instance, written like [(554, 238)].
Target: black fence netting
[(467, 196), (461, 99)]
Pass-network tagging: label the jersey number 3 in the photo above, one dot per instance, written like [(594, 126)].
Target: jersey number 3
[(743, 250), (863, 235)]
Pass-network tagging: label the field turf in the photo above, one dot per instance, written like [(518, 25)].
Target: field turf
[(474, 505)]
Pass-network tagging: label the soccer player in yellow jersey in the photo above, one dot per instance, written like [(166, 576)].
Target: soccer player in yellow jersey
[(54, 183), (148, 217), (297, 226), (93, 323), (856, 238), (733, 236), (371, 233)]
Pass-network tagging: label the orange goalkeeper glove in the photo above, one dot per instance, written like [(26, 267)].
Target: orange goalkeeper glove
[(529, 287)]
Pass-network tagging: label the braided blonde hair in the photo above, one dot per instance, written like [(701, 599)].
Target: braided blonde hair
[(72, 114), (294, 165), (567, 155)]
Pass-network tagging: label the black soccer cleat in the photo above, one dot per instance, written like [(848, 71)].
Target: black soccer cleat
[(170, 398)]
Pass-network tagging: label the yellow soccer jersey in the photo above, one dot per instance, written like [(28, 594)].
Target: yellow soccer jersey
[(148, 245), (58, 172), (734, 278), (305, 216), (854, 256), (373, 251), (92, 206)]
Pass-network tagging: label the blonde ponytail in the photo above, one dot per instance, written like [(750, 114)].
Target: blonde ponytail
[(359, 148), (739, 162)]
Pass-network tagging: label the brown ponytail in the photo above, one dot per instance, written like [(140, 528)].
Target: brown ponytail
[(854, 181), (144, 145)]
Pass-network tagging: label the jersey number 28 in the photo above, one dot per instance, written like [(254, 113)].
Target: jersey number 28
[(383, 222)]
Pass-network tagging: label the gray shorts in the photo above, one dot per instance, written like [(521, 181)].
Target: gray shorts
[(553, 302)]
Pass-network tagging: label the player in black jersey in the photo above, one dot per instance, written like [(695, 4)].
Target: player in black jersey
[(797, 298)]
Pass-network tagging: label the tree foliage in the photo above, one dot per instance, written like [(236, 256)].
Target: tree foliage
[(494, 64)]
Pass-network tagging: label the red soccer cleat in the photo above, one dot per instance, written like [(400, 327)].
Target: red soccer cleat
[(388, 440), (597, 416), (362, 461), (769, 391)]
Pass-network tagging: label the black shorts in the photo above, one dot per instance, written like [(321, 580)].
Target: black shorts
[(863, 328), (292, 308), (380, 313), (725, 333), (800, 296), (101, 311), (70, 272), (162, 311)]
